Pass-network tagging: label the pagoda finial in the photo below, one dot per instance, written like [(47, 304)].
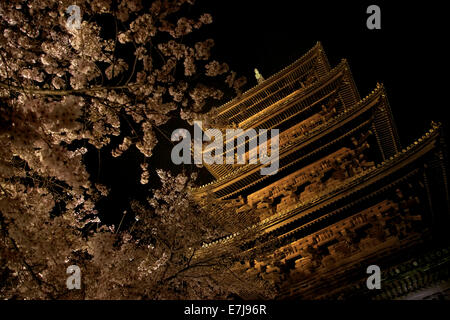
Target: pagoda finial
[(258, 76)]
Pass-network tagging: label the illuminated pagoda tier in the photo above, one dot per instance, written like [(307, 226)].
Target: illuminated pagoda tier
[(346, 194)]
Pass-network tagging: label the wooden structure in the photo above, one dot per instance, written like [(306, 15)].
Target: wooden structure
[(346, 195)]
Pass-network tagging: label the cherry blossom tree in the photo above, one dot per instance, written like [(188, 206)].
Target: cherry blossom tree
[(129, 68), (164, 248)]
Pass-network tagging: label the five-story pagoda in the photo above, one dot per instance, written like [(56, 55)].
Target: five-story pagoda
[(346, 195)]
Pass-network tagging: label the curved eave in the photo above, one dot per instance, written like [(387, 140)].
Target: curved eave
[(340, 74), (361, 181), (342, 70), (301, 142), (317, 50)]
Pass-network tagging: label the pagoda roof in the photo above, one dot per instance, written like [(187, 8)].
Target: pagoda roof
[(341, 71), (342, 68), (299, 142), (260, 89), (354, 184)]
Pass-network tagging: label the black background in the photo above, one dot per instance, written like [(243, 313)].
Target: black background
[(150, 310), (408, 55)]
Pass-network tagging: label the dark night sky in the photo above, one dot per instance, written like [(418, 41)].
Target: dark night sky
[(407, 55)]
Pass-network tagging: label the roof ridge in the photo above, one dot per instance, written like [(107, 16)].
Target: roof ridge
[(379, 88), (379, 167), (223, 107)]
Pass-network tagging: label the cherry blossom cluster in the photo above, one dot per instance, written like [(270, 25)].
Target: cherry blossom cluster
[(68, 94)]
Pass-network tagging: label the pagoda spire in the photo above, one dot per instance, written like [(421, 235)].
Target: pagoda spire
[(258, 76)]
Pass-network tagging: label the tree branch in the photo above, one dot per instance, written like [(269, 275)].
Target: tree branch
[(61, 92)]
